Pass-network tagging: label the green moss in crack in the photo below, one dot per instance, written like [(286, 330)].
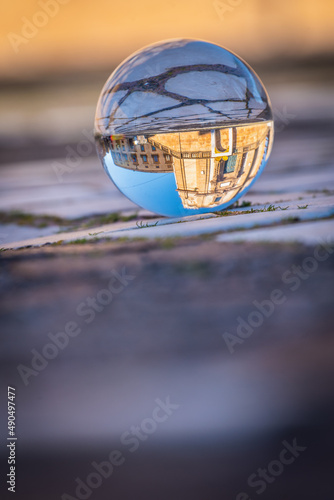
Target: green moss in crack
[(27, 219), (41, 221)]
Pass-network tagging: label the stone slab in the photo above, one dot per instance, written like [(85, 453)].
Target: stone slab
[(184, 227), (309, 233)]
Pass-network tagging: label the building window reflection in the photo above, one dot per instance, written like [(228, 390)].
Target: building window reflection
[(230, 164)]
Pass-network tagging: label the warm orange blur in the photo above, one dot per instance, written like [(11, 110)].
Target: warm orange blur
[(86, 34)]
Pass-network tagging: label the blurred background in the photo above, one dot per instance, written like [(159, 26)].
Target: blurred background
[(82, 36), (162, 336)]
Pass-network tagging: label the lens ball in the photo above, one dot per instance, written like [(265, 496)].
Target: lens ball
[(183, 127)]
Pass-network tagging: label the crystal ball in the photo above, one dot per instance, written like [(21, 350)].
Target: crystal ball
[(183, 127)]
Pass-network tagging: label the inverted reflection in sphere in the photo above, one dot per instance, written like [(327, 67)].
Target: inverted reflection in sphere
[(183, 127)]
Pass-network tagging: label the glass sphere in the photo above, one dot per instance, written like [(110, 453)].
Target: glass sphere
[(183, 127)]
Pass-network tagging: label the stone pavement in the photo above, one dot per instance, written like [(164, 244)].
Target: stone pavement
[(296, 186), (162, 333), (169, 331)]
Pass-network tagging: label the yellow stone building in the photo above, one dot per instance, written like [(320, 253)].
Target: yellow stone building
[(210, 166)]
